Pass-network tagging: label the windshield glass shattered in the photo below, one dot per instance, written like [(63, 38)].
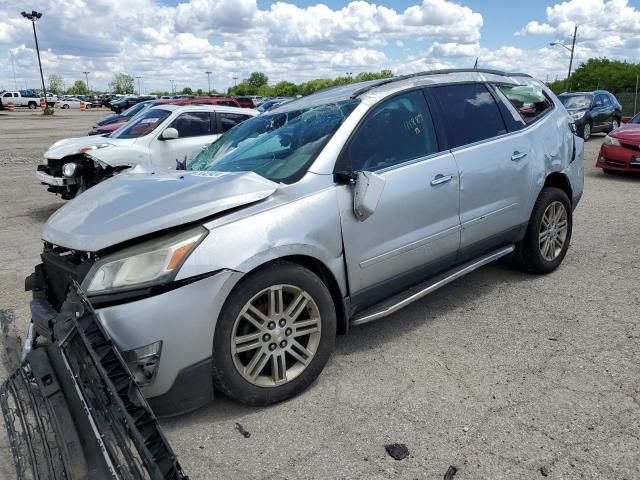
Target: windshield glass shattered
[(572, 102), (142, 124), (279, 146)]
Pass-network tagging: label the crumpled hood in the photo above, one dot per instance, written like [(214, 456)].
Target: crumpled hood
[(628, 132), (72, 146), (143, 201)]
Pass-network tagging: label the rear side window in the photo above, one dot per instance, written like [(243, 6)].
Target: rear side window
[(470, 113), (605, 99), (398, 130), (230, 120), (528, 100)]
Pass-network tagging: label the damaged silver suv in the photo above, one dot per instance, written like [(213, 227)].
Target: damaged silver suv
[(328, 212)]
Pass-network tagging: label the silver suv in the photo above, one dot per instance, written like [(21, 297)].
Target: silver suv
[(328, 212)]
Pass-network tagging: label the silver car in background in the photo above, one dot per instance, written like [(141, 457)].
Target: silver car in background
[(328, 212)]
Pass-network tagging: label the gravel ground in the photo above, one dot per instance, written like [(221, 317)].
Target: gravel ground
[(502, 375)]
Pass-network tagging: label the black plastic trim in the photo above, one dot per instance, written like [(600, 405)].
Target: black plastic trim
[(192, 388)]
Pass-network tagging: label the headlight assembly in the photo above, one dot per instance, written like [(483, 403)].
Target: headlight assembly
[(150, 263), (611, 141), (577, 115)]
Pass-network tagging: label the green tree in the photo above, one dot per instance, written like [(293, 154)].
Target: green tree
[(186, 91), (200, 92), (285, 89), (600, 73), (56, 84), (256, 80), (78, 88), (122, 83)]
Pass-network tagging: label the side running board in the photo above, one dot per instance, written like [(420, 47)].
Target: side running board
[(401, 300)]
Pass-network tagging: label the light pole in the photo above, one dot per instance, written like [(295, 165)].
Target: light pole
[(209, 80), (33, 17), (572, 49), (86, 76), (139, 91), (173, 87), (235, 81)]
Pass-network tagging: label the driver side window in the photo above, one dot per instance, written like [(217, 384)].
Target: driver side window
[(396, 131)]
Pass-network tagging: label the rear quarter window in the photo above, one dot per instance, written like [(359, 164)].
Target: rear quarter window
[(530, 101)]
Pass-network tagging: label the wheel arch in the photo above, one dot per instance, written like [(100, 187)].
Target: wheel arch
[(561, 181), (324, 273)]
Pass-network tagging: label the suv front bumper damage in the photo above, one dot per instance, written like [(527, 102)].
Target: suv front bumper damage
[(72, 409)]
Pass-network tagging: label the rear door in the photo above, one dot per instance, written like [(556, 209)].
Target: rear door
[(414, 230), (493, 166)]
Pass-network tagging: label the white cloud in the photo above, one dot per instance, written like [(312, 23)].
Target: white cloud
[(535, 28)]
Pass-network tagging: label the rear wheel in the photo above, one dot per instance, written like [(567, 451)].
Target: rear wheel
[(274, 335), (32, 105), (548, 233)]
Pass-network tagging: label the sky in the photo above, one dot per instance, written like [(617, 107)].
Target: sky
[(165, 41)]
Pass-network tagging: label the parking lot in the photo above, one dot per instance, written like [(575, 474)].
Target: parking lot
[(500, 374)]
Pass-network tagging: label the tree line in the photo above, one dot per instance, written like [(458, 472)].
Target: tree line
[(121, 83), (600, 74)]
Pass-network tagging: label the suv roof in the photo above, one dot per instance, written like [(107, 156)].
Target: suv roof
[(376, 89), (202, 107)]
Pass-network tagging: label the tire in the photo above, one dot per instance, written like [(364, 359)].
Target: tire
[(65, 107), (615, 123), (32, 106), (233, 373), (531, 254), (586, 131)]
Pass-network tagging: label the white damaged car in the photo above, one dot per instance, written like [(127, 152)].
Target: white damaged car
[(165, 135)]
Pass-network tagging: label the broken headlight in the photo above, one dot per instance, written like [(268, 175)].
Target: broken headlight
[(150, 263)]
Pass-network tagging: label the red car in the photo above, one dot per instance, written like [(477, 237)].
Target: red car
[(620, 151)]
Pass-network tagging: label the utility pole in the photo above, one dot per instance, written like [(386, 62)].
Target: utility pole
[(235, 81), (33, 17), (572, 50), (173, 87), (139, 91), (209, 80), (86, 76), (13, 67), (635, 102)]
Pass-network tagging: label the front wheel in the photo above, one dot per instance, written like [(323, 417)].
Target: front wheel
[(614, 124), (274, 335), (65, 106), (548, 233)]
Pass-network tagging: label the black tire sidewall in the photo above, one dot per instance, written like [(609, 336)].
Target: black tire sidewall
[(531, 240), (225, 375)]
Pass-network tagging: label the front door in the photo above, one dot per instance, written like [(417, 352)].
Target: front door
[(196, 130), (414, 230)]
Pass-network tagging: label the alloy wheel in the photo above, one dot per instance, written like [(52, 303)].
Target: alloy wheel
[(276, 335), (553, 231), (614, 124)]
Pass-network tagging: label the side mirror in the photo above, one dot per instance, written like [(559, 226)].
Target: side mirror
[(169, 134), (366, 195)]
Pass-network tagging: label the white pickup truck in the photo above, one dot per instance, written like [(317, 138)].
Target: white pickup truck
[(25, 98)]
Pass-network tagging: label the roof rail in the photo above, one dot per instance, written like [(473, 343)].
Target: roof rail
[(435, 72)]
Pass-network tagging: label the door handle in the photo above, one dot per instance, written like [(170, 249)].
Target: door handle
[(518, 156), (440, 179)]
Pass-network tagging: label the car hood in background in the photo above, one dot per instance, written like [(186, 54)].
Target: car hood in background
[(629, 132), (72, 146), (143, 201)]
